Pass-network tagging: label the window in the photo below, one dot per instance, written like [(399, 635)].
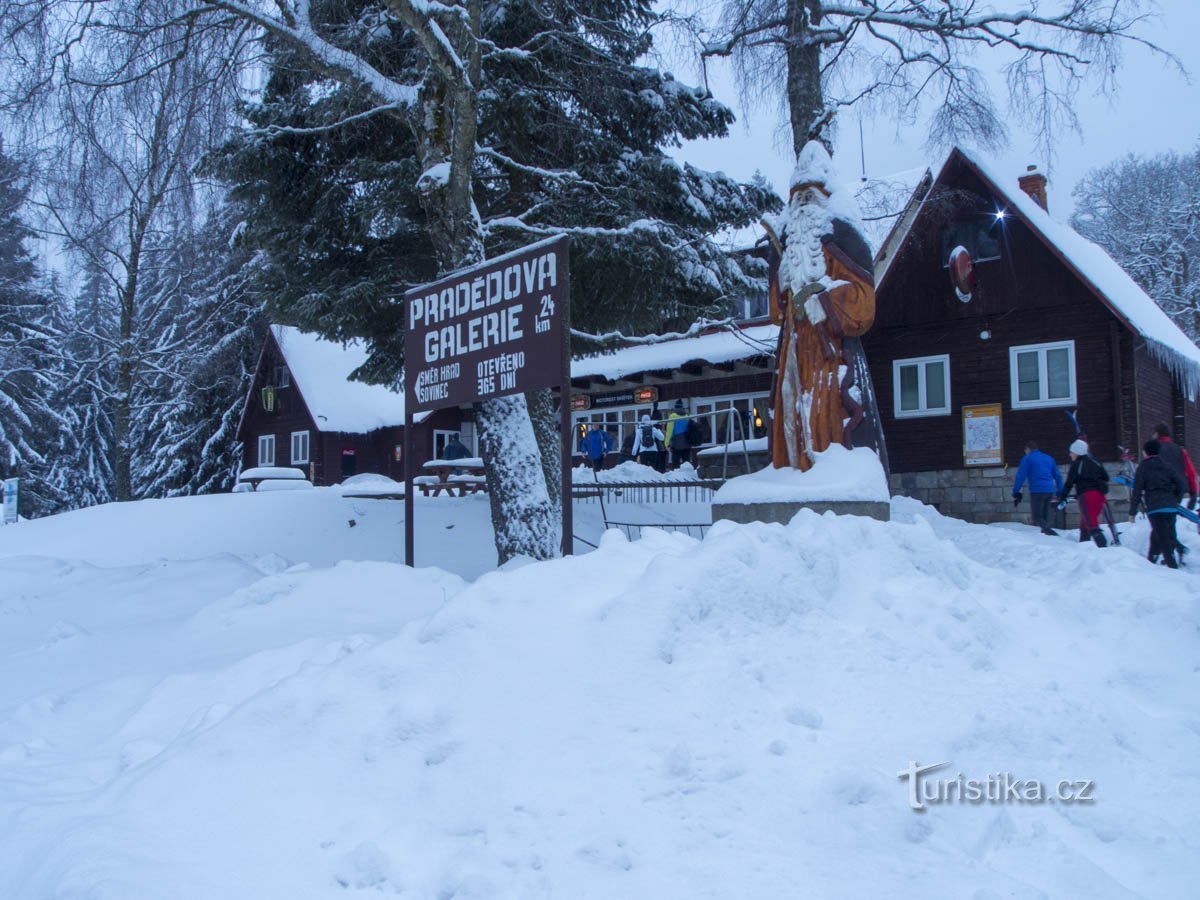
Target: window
[(299, 447), (921, 387), (1042, 375), (441, 439), (283, 377), (266, 450)]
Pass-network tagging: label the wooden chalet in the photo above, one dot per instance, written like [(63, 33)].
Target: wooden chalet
[(1052, 324), (303, 411)]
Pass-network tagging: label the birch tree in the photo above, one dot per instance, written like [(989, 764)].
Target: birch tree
[(121, 107), (902, 58), (1146, 213)]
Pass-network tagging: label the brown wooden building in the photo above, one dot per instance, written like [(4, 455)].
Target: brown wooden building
[(722, 376), (303, 411), (1052, 324)]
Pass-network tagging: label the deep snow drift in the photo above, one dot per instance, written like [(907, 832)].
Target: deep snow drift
[(666, 718)]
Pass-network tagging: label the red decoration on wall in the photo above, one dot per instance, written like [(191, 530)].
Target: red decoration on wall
[(962, 273)]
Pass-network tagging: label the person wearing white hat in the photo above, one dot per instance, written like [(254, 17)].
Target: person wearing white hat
[(648, 443), (1090, 481)]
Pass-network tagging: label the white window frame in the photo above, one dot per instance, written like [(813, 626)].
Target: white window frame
[(266, 441), (304, 458), (924, 410), (446, 434), (1043, 375)]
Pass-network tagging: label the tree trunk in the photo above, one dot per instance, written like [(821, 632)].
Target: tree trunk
[(805, 97), (122, 450), (522, 514), (545, 429), (445, 126)]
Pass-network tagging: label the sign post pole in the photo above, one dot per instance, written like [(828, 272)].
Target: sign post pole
[(566, 433), (409, 502)]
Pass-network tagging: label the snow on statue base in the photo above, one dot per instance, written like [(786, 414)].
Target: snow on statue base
[(846, 482)]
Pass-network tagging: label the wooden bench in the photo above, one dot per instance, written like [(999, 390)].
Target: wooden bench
[(455, 477)]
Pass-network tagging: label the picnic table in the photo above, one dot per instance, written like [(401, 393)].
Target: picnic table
[(263, 478), (455, 477)]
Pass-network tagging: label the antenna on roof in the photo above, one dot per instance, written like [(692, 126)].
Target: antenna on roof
[(862, 148)]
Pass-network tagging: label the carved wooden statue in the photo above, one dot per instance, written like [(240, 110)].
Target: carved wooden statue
[(822, 295)]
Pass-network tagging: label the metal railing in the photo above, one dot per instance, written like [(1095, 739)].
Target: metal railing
[(633, 530), (645, 491)]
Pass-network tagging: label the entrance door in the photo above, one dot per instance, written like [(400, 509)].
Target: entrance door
[(349, 462)]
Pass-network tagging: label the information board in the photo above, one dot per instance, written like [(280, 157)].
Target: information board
[(12, 493), (982, 435), (490, 330)]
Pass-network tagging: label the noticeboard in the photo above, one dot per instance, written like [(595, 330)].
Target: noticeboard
[(488, 331), (982, 435)]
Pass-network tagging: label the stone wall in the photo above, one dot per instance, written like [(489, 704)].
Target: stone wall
[(984, 494), (709, 465)]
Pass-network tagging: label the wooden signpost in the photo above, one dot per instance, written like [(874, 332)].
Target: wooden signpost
[(497, 328)]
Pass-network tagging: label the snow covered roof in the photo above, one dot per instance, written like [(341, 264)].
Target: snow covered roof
[(1092, 265), (321, 370), (721, 346)]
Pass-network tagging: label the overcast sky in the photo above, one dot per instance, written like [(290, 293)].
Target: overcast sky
[(1156, 109)]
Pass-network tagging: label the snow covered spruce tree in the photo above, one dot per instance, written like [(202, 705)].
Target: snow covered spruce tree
[(900, 58), (31, 426), (83, 469), (1146, 213), (354, 200), (187, 438)]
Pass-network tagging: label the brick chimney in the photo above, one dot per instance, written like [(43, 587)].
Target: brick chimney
[(1033, 183)]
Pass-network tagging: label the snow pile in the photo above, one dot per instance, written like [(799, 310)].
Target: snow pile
[(630, 471), (321, 369), (837, 474), (317, 526), (368, 484), (668, 718), (754, 445)]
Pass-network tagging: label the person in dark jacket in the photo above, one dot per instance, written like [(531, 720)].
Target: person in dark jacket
[(1090, 481), (1045, 482), (1161, 486), (596, 446), (1177, 458), (455, 449)]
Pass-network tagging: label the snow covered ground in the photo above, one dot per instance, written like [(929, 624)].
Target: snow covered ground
[(245, 697)]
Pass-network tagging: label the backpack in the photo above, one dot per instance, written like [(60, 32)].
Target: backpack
[(648, 444)]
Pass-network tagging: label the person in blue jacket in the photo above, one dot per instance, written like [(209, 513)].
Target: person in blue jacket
[(1045, 483), (596, 446)]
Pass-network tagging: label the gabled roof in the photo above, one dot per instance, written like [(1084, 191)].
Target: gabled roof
[(721, 345), (1111, 284), (321, 371)]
